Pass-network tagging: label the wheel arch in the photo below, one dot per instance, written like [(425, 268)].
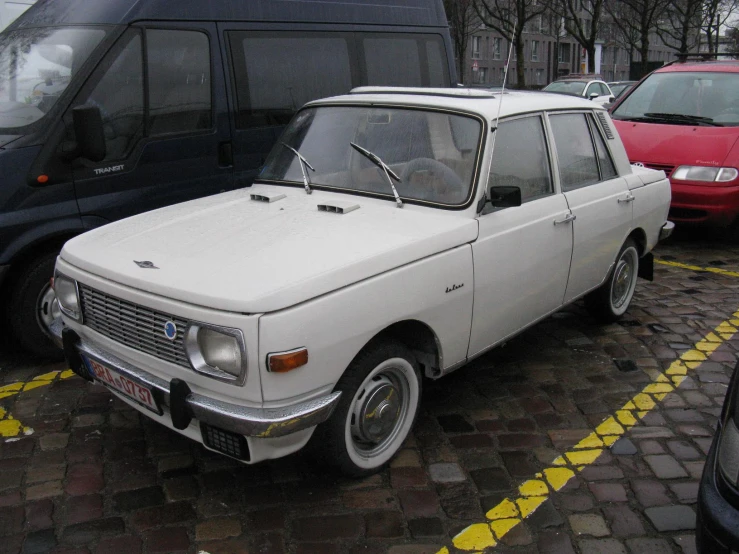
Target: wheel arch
[(420, 339), (639, 236)]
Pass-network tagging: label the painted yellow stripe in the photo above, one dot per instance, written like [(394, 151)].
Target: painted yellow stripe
[(534, 492), (716, 270), (11, 427)]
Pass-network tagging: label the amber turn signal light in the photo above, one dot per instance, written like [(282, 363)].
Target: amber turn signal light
[(282, 362)]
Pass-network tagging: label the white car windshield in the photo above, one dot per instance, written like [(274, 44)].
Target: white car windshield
[(684, 98), (433, 153), (36, 65)]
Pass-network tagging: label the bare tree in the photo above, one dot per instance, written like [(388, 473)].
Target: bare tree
[(463, 21), (636, 20), (715, 15), (509, 18), (582, 21), (680, 27)]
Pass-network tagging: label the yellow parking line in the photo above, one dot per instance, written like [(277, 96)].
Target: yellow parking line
[(534, 492), (11, 427), (716, 270)]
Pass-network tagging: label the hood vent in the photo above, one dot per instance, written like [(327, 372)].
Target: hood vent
[(338, 207), (267, 196)]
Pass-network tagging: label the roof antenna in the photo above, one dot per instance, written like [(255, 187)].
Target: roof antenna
[(483, 200)]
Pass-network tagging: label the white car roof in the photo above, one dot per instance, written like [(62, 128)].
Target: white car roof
[(479, 101)]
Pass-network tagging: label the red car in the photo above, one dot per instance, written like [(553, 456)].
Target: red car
[(684, 119)]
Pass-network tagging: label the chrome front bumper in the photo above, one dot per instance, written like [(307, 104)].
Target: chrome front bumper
[(187, 405)]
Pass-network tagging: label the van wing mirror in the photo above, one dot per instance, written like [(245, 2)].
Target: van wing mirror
[(88, 129), (505, 197)]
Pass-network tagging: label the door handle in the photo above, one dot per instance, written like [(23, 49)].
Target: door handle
[(568, 218), (629, 198)]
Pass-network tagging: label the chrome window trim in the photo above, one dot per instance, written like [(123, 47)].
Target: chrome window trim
[(197, 361)]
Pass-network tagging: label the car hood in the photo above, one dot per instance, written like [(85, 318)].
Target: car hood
[(675, 145), (232, 253)]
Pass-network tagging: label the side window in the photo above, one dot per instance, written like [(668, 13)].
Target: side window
[(603, 89), (178, 64), (120, 96), (607, 169), (591, 89), (404, 61), (276, 73), (575, 153), (521, 158)]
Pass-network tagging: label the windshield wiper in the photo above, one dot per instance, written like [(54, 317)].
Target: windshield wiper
[(303, 162), (681, 118), (389, 173)]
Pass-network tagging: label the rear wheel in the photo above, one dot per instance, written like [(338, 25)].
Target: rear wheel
[(33, 306), (381, 392), (611, 300)]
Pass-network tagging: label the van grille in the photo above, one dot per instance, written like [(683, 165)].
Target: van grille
[(136, 326)]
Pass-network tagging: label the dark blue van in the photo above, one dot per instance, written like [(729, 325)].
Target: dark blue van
[(112, 108)]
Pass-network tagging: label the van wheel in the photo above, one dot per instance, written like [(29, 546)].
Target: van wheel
[(381, 392), (33, 306), (611, 300)]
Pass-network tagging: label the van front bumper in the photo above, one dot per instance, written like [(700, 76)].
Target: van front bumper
[(184, 405), (704, 204)]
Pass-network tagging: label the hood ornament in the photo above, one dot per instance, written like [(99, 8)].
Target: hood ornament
[(145, 264)]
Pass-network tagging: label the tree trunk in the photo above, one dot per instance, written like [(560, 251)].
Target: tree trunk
[(591, 59), (520, 62)]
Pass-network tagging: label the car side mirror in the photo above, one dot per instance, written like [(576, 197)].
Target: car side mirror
[(593, 95), (612, 99), (88, 129), (505, 197)]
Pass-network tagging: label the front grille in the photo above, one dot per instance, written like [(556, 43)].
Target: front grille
[(136, 326), (660, 167), (225, 442)]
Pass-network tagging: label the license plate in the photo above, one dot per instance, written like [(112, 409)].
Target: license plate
[(124, 385)]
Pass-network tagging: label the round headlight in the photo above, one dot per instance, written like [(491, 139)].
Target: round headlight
[(68, 297), (216, 351)]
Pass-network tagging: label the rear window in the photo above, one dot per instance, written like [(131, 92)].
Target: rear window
[(714, 96)]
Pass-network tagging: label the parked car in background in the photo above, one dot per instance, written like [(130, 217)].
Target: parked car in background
[(138, 104), (384, 242), (619, 88), (717, 526), (587, 87), (684, 119)]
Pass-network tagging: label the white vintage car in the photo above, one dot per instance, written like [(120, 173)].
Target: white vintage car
[(392, 236)]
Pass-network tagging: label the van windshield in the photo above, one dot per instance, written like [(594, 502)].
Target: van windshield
[(434, 153), (684, 98), (36, 65)]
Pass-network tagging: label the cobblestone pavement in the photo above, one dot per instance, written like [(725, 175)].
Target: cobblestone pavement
[(86, 473)]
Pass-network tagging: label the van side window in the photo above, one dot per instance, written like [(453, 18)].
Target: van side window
[(521, 158), (404, 61), (276, 73), (120, 96), (178, 65)]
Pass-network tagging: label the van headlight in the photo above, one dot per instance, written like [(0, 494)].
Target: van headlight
[(218, 352), (68, 296), (703, 173)]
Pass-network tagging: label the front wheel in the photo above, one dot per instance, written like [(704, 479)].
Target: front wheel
[(611, 300), (381, 392), (33, 307)]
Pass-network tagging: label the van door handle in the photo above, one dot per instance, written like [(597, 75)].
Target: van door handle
[(225, 154), (568, 218), (629, 198)]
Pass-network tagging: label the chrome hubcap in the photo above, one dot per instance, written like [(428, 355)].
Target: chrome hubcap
[(622, 281), (48, 307), (377, 412)]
